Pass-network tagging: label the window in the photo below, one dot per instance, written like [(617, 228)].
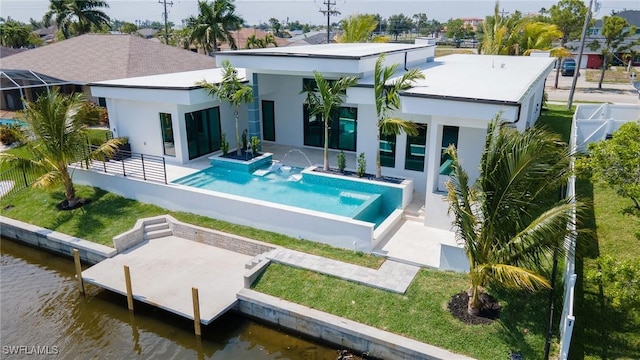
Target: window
[(343, 129), (167, 134), (103, 103), (416, 150), (268, 120), (388, 150), (203, 131), (449, 137)]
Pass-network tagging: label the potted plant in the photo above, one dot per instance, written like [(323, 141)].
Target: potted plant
[(124, 149), (224, 144), (342, 161)]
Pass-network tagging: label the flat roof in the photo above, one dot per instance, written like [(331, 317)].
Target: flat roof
[(178, 81), (482, 77), (347, 50)]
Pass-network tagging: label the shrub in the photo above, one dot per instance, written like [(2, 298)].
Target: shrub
[(362, 165), (90, 114), (620, 280), (8, 134), (244, 140), (224, 144), (255, 145), (342, 161)]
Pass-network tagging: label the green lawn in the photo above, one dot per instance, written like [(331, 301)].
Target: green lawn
[(109, 215), (421, 313)]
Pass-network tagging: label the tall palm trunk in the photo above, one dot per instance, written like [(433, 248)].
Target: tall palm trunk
[(605, 63), (69, 189), (238, 146), (325, 165), (378, 165)]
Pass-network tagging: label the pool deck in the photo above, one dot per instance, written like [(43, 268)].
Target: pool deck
[(163, 271)]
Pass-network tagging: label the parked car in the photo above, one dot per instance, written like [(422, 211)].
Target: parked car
[(568, 67)]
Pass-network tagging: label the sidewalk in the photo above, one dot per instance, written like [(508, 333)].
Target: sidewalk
[(588, 91)]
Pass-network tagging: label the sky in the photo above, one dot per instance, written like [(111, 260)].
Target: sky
[(306, 11)]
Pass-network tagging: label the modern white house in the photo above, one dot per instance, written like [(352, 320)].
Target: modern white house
[(169, 115)]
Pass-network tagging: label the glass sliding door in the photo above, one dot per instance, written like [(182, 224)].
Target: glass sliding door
[(268, 120), (203, 131), (167, 134), (343, 129)]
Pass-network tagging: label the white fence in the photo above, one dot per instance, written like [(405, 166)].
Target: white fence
[(597, 122), (590, 123)]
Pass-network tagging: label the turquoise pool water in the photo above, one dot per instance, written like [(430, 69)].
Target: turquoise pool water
[(288, 186), (11, 122)]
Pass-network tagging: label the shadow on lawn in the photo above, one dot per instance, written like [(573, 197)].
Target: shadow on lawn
[(598, 323), (91, 216)]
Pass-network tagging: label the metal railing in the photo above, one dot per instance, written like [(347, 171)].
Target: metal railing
[(130, 164), (15, 179)]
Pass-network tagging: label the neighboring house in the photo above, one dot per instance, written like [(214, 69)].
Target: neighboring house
[(7, 51), (147, 33), (453, 105), (592, 59), (473, 23), (48, 34), (313, 38), (96, 57)]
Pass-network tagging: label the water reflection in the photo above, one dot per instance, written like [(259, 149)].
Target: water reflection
[(40, 305)]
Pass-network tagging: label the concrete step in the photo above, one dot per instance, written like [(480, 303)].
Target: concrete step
[(157, 220), (148, 235), (154, 227), (255, 261), (411, 217)]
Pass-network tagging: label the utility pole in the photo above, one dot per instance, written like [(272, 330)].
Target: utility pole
[(165, 14), (576, 73), (331, 10), (503, 13)]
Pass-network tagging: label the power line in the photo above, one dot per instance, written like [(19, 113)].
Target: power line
[(165, 14), (331, 10)]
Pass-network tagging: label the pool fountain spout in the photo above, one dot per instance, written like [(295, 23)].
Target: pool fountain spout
[(298, 151)]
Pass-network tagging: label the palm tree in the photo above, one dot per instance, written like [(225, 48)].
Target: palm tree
[(535, 35), (326, 100), (58, 138), (507, 220), (231, 90), (254, 42), (387, 98), (79, 15), (559, 53), (495, 34), (357, 28), (214, 22)]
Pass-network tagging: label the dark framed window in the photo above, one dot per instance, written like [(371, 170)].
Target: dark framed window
[(167, 134), (415, 151), (387, 150), (449, 137), (203, 131), (268, 120), (102, 102), (343, 129)]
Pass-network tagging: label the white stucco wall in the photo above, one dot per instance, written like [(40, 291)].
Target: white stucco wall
[(140, 122), (285, 92)]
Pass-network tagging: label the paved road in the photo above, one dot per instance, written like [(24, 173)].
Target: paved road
[(588, 91)]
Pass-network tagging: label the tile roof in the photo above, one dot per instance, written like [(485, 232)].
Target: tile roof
[(98, 57), (7, 51)]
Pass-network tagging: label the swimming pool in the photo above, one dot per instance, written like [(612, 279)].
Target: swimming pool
[(292, 186), (8, 122)]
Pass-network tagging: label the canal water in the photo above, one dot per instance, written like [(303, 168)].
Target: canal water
[(42, 312)]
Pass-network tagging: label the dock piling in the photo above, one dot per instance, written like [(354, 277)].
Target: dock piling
[(127, 280), (196, 310), (76, 260)]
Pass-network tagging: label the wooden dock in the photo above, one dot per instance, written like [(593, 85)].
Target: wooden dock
[(164, 271)]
